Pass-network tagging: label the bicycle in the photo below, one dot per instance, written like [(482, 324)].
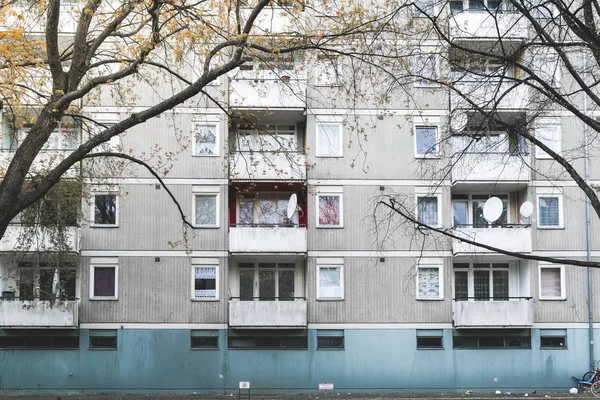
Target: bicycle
[(590, 380)]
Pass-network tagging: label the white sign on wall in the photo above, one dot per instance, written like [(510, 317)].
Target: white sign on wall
[(325, 386), (244, 384)]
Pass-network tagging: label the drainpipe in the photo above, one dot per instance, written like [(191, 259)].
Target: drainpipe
[(588, 232)]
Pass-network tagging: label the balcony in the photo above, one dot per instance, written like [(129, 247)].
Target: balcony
[(267, 93), (267, 239), (512, 313), (10, 241), (247, 165), (488, 93), (504, 25), (490, 167), (38, 313), (509, 237), (267, 314)]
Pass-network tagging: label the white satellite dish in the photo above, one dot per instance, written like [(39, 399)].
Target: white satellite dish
[(292, 203), (458, 121), (526, 209), (492, 209)]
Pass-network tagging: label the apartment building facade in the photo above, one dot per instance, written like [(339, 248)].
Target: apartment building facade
[(290, 296)]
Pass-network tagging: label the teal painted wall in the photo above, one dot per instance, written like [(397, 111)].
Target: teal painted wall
[(373, 360)]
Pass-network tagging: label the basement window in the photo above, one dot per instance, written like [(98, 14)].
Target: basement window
[(103, 339)]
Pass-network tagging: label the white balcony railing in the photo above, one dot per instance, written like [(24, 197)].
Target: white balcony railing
[(12, 240), (267, 314), (505, 25), (512, 313), (271, 93), (486, 167), (515, 238), (267, 165), (39, 313), (270, 239), (488, 93)]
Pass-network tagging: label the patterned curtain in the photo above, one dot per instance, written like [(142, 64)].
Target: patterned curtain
[(205, 282), (429, 283)]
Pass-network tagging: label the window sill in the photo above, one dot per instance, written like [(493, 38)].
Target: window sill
[(104, 298), (206, 155), (553, 299), (550, 227), (330, 349), (327, 85), (430, 348), (336, 299), (204, 300), (206, 227), (329, 156), (329, 227), (206, 349), (104, 225), (554, 348), (428, 157), (426, 299), (103, 349)]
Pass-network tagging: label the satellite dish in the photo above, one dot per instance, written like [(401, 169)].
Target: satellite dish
[(492, 209), (526, 209), (292, 203), (458, 121)]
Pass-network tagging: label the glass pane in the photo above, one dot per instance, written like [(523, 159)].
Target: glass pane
[(266, 285), (206, 210), (47, 284), (104, 281), (494, 4), (461, 285), (206, 139), (286, 285), (429, 283), (478, 220), (426, 137), (456, 6), (460, 213), (482, 285), (205, 282), (329, 140), (428, 210), (503, 220), (68, 278), (329, 210), (105, 209), (246, 212), (267, 212), (549, 212), (26, 283), (330, 282), (550, 282), (500, 285), (476, 5), (246, 284)]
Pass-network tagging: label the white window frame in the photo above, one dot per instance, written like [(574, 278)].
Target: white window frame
[(560, 210), (93, 209), (327, 72), (319, 152), (541, 154), (493, 266), (217, 138), (422, 82), (431, 264), (205, 263), (330, 192), (438, 196), (435, 154), (207, 192), (563, 294), (104, 263), (330, 263)]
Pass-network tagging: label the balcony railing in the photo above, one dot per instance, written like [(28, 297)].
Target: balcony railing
[(511, 312), (252, 165), (509, 237), (268, 314), (271, 93), (490, 167), (266, 238), (11, 241), (37, 313), (487, 92), (479, 24)]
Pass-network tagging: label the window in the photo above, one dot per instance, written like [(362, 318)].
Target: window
[(268, 339), (47, 276), (330, 339), (481, 281), (550, 211), (429, 339), (204, 339), (426, 141), (553, 338), (265, 209), (267, 281), (426, 9), (206, 211), (485, 5), (263, 138), (552, 282), (104, 339), (429, 282), (206, 139), (549, 135), (105, 210), (468, 210), (506, 339), (330, 211), (427, 210), (40, 340), (327, 72), (425, 70), (104, 280), (330, 282), (205, 280), (329, 139)]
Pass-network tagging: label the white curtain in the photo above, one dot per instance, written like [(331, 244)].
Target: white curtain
[(429, 283), (330, 282), (329, 139), (206, 210), (206, 139), (428, 210), (551, 285), (205, 274)]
